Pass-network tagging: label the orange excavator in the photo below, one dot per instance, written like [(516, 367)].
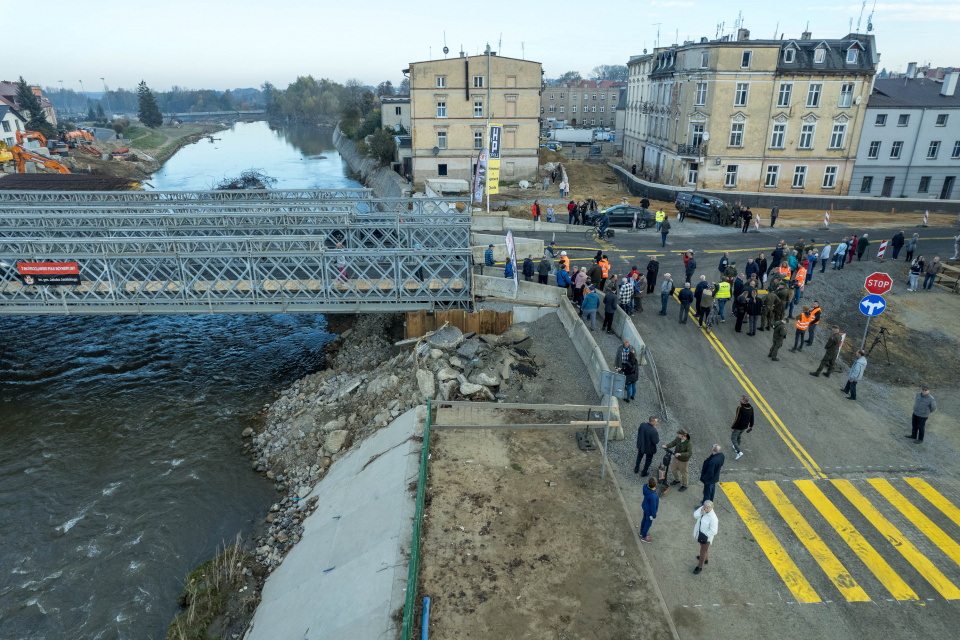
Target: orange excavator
[(31, 135), (21, 156)]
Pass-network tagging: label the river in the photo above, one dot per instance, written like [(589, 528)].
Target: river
[(121, 466)]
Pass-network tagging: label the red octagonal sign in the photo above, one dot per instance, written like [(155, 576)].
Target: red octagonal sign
[(878, 283)]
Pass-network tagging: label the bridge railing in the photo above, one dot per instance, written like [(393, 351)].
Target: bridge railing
[(285, 195)]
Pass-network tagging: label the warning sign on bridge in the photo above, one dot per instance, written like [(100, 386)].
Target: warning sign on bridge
[(48, 273)]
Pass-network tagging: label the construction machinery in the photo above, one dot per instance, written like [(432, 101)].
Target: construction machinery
[(31, 135), (79, 136), (5, 154), (21, 156)]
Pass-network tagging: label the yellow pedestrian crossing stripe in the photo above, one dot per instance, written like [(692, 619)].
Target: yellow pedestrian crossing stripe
[(877, 501)]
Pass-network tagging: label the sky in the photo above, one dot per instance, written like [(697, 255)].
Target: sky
[(206, 44)]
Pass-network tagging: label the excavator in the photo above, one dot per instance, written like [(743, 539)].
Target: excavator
[(21, 156), (31, 135)]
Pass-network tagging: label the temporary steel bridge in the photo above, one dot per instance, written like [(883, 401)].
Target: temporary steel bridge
[(250, 251)]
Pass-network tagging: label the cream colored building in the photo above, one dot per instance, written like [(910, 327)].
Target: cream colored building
[(451, 102), (751, 115)]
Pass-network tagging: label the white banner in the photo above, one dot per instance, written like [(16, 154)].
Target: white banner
[(512, 257)]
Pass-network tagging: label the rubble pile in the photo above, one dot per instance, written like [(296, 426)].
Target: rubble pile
[(369, 382)]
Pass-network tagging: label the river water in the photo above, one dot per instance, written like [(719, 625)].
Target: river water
[(120, 460)]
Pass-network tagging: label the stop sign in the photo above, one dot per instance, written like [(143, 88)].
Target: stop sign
[(878, 283)]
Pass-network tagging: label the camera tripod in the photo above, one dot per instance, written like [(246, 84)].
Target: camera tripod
[(880, 339)]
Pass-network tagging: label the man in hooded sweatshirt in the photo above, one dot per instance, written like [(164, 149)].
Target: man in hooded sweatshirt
[(651, 502)]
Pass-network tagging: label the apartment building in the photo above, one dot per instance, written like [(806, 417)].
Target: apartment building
[(778, 116), (451, 102), (10, 122), (8, 96), (588, 103), (395, 112), (910, 142)]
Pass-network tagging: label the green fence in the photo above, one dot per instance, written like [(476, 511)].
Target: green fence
[(412, 576)]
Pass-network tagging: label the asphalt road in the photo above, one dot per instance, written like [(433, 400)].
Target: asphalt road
[(832, 525)]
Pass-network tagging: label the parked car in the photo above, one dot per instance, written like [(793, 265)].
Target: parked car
[(553, 146), (698, 205), (622, 216)]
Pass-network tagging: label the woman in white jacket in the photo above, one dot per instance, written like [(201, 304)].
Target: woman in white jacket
[(824, 257), (704, 531)]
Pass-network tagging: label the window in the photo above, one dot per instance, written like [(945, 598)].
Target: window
[(562, 94), (745, 59), (772, 176), (561, 108), (552, 108), (813, 95), (601, 108), (478, 139), (799, 176), (442, 139), (441, 169), (398, 111), (603, 96), (601, 122), (613, 97), (697, 135), (593, 122), (903, 120), (786, 88), (819, 55), (736, 134), (806, 135), (895, 150), (779, 133), (874, 152), (851, 56), (704, 59), (846, 95), (6, 126), (730, 179), (573, 96), (478, 84), (740, 95), (478, 108), (573, 108), (956, 150), (551, 96), (441, 109), (942, 120), (881, 120), (594, 96), (441, 82), (789, 55), (838, 136), (933, 150), (701, 98), (593, 108), (829, 177), (924, 184)]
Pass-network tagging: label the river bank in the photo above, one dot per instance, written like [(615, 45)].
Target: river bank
[(385, 182)]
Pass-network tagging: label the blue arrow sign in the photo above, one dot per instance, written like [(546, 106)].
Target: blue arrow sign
[(872, 305)]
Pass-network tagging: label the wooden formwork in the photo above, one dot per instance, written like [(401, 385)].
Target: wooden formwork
[(486, 321)]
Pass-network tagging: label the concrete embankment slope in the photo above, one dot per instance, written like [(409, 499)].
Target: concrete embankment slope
[(347, 575), (384, 182)]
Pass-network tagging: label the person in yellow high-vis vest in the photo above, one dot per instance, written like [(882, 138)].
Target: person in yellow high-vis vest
[(660, 217), (722, 295)]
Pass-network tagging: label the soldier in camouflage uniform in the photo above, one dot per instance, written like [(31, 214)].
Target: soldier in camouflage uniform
[(779, 334), (784, 296), (767, 317), (714, 212)]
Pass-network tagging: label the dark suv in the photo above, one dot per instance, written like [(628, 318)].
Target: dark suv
[(698, 206), (622, 216)]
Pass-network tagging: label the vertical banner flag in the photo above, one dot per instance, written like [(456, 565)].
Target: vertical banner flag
[(512, 257), (493, 174), (481, 177)]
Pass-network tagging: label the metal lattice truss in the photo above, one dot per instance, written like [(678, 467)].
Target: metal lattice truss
[(265, 255)]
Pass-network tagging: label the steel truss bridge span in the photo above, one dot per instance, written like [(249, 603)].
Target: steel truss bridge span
[(261, 255)]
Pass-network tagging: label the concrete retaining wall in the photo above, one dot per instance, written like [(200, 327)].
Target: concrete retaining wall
[(529, 293), (524, 246), (642, 188), (503, 223), (384, 182)]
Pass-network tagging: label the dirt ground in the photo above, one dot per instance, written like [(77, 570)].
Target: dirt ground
[(507, 554)]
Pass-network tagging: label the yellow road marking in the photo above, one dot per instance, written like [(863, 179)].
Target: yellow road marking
[(815, 244), (919, 561), (774, 551), (837, 573), (919, 520), (855, 540), (934, 496)]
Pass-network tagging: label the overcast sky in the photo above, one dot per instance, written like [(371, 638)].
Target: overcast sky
[(220, 45)]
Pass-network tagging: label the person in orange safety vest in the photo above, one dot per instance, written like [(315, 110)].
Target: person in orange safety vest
[(802, 323)]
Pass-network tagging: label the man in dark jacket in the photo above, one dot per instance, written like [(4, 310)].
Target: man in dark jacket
[(653, 268), (647, 440), (774, 212), (682, 451), (609, 307), (528, 268), (747, 215), (742, 421), (488, 258), (595, 273), (686, 299), (897, 244), (830, 355), (779, 335), (690, 269), (710, 472), (724, 263), (543, 270)]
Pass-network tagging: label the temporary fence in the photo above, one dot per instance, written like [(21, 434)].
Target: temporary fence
[(419, 323), (414, 572)]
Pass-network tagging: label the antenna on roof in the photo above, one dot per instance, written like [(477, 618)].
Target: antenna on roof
[(657, 25), (523, 51), (446, 49), (860, 19), (870, 17), (500, 42), (775, 30)]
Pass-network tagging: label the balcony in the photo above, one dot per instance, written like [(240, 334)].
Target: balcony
[(689, 150)]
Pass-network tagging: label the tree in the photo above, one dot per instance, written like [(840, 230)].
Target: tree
[(615, 72), (226, 101), (570, 76), (149, 112), (385, 88), (382, 147), (91, 114), (30, 105), (404, 87), (101, 116)]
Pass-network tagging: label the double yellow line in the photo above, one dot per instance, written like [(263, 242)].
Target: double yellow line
[(792, 443)]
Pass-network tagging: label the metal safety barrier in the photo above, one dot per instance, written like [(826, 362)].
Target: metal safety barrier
[(413, 573)]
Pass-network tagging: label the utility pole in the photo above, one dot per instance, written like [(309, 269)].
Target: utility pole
[(657, 25), (105, 95), (487, 136)]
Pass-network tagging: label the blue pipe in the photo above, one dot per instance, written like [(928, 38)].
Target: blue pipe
[(425, 627)]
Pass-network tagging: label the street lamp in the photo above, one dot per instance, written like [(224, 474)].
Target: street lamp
[(105, 95)]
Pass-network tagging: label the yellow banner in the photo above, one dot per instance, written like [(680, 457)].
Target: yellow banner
[(494, 135)]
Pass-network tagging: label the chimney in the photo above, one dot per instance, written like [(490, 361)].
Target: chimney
[(911, 69), (743, 34), (806, 35), (949, 87), (703, 40)]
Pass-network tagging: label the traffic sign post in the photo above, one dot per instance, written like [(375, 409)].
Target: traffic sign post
[(877, 283), (870, 306)]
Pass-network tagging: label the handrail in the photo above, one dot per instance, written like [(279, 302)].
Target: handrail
[(412, 576), (656, 380)]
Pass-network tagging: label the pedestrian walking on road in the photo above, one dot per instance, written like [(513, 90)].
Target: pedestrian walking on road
[(774, 213), (706, 304), (916, 268), (653, 268), (742, 421), (609, 307), (686, 299), (704, 532), (647, 440), (801, 326), (690, 267), (666, 290), (831, 351), (651, 502), (911, 246), (543, 270), (589, 306), (698, 292), (722, 293), (528, 268), (710, 472), (682, 451), (931, 273), (664, 230), (897, 244), (779, 335), (856, 375), (922, 408)]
